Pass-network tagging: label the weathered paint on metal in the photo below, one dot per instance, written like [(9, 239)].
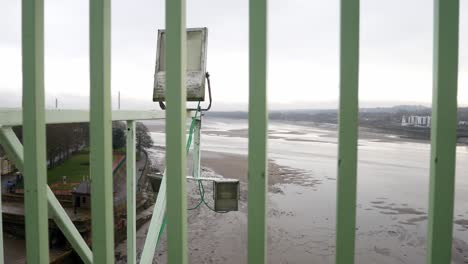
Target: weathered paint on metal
[(34, 138), (14, 150), (348, 132), (131, 193), (258, 126), (102, 210), (176, 94), (197, 42), (443, 131)]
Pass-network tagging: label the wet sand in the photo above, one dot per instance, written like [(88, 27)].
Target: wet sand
[(327, 131), (215, 237), (301, 220), (222, 238)]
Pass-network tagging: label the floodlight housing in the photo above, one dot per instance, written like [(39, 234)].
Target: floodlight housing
[(196, 65), (226, 195)]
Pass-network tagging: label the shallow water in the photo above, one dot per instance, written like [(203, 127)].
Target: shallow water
[(393, 183)]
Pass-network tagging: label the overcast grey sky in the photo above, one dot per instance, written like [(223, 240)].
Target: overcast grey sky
[(396, 51)]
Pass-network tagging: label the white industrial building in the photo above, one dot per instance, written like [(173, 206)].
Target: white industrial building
[(416, 121), (423, 121)]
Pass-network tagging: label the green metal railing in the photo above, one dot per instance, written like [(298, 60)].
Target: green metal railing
[(348, 132), (40, 201), (258, 128), (443, 131)]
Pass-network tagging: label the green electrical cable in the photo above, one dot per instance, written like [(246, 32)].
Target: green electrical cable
[(201, 188)]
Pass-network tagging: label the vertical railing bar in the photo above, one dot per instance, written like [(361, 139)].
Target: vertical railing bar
[(258, 126), (131, 190), (443, 131), (347, 132), (197, 148), (100, 133), (156, 226), (175, 131), (34, 138)]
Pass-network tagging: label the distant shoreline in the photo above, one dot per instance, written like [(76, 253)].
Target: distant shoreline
[(407, 133), (384, 133)]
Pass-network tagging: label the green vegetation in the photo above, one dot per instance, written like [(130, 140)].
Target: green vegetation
[(74, 168)]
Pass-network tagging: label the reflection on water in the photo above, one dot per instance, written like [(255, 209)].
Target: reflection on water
[(393, 183)]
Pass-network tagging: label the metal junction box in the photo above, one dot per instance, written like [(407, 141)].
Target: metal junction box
[(226, 195), (196, 65)]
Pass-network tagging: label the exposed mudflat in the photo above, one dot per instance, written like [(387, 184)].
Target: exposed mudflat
[(392, 204)]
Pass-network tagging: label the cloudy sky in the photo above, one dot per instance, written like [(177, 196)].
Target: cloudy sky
[(396, 51)]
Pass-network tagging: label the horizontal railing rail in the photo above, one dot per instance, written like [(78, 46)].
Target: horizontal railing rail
[(14, 117)]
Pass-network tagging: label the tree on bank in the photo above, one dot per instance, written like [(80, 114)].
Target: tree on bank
[(118, 135), (63, 140), (143, 137)]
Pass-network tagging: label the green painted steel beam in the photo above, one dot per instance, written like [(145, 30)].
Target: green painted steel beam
[(176, 94), (14, 117), (131, 192), (157, 219), (14, 150), (35, 171), (443, 131), (258, 128), (102, 210), (347, 132)]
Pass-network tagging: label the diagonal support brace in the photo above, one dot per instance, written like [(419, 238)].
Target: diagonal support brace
[(155, 230), (14, 150)]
